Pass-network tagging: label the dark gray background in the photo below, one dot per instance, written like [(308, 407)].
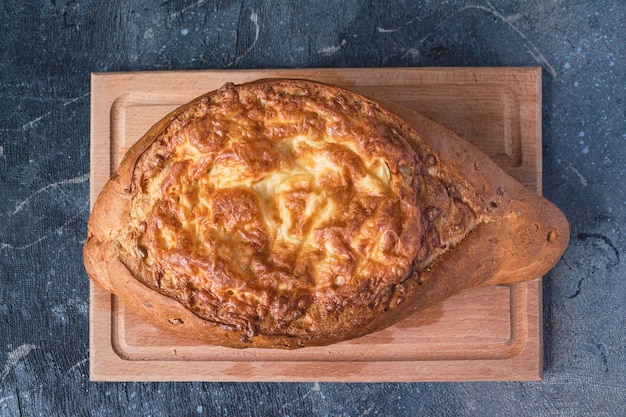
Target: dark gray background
[(47, 51)]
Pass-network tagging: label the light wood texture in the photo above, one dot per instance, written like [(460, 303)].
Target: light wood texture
[(491, 333)]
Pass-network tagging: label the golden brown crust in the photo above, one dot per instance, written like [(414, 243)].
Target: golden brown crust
[(287, 213)]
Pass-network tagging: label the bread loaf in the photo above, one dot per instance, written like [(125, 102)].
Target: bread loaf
[(289, 213)]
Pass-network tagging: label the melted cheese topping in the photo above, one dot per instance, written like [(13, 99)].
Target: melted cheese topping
[(260, 206)]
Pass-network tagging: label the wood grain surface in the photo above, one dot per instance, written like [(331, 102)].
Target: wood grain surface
[(485, 334)]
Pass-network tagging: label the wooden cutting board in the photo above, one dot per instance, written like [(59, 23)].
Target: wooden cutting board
[(492, 333)]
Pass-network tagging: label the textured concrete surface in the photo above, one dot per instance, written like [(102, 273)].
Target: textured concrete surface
[(48, 49)]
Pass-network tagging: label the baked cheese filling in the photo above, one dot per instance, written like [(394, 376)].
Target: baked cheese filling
[(259, 209)]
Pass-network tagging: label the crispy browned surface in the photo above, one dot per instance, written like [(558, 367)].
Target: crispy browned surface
[(289, 213)]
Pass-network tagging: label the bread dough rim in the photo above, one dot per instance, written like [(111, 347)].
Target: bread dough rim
[(509, 201)]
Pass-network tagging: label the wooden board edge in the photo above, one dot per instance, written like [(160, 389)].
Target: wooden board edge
[(114, 365)]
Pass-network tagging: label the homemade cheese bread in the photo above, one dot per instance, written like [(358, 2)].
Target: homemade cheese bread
[(289, 213)]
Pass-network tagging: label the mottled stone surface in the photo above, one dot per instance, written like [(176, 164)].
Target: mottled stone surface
[(48, 49)]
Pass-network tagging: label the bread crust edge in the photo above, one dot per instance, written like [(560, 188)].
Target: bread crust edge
[(524, 239)]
